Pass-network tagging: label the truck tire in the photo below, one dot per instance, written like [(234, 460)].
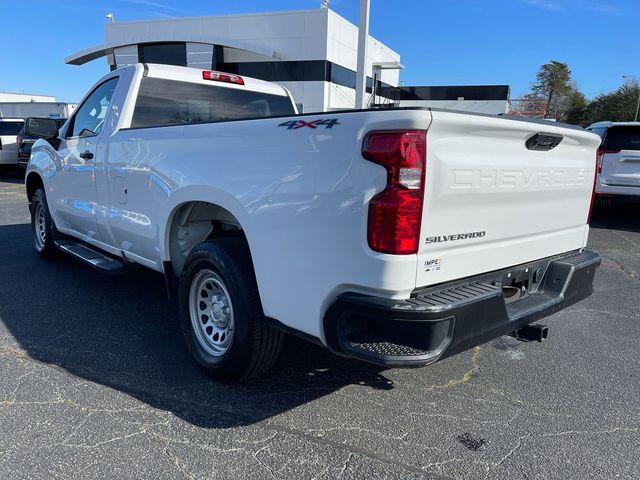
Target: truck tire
[(42, 227), (221, 314)]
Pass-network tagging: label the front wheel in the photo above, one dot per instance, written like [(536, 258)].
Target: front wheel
[(221, 314), (42, 226)]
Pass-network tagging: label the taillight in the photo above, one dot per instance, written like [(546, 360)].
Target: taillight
[(395, 214), (18, 140), (595, 177), (222, 77)]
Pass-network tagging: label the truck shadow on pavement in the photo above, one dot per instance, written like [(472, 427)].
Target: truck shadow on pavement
[(14, 175), (616, 217), (122, 332)]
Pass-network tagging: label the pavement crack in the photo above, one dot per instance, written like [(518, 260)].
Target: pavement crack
[(72, 404), (466, 376), (264, 465), (104, 442), (630, 273), (619, 235), (593, 432), (177, 462), (510, 453), (457, 418), (443, 462), (262, 440), (606, 312), (349, 448), (322, 431), (520, 441), (346, 465)]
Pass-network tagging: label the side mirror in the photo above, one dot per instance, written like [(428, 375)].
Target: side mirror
[(46, 128)]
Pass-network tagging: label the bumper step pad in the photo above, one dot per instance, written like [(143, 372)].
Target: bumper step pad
[(438, 322)]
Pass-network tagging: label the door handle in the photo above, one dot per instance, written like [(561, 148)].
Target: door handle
[(87, 155)]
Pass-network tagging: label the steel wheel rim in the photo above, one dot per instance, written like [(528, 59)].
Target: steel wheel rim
[(211, 312), (40, 226)]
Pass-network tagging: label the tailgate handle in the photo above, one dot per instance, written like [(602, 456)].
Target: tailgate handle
[(543, 141)]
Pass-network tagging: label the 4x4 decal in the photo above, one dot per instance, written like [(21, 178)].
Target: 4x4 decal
[(294, 124)]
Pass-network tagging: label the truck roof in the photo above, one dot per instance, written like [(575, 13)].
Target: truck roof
[(608, 123), (188, 74)]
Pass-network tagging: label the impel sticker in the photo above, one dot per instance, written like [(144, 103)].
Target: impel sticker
[(433, 264)]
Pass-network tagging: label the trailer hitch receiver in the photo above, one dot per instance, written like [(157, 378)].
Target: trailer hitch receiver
[(531, 333)]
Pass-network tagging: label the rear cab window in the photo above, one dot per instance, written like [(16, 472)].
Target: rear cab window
[(171, 102), (623, 138)]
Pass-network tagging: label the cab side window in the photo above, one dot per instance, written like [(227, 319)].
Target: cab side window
[(89, 118)]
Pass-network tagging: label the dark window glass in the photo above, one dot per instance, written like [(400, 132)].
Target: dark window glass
[(10, 128), (468, 92), (295, 70), (169, 102), (343, 76), (59, 122), (164, 53), (300, 71), (89, 118), (623, 138)]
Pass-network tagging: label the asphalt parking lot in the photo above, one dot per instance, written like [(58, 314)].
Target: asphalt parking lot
[(96, 382)]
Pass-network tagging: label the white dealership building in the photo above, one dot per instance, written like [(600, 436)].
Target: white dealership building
[(312, 53)]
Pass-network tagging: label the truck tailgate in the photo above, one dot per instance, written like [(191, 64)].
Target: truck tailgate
[(492, 202)]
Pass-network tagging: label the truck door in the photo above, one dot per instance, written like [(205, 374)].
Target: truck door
[(74, 186)]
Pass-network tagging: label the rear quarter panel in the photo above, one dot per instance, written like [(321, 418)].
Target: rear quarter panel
[(300, 194)]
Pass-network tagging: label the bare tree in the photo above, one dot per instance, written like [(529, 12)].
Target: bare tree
[(553, 83)]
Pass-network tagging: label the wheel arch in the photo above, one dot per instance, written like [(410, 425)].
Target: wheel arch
[(32, 183), (194, 221)]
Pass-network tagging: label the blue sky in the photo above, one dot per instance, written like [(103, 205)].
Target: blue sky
[(442, 42)]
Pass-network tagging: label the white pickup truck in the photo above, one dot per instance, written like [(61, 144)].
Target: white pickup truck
[(399, 236)]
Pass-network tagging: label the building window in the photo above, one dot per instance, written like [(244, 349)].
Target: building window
[(164, 53), (342, 76), (281, 71)]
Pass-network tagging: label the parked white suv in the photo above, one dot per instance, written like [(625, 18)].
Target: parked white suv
[(9, 130), (618, 159), (399, 236)]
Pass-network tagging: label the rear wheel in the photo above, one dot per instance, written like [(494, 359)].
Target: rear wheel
[(42, 226), (221, 314)]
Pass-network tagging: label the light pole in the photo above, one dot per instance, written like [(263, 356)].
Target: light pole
[(363, 36), (638, 87)]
